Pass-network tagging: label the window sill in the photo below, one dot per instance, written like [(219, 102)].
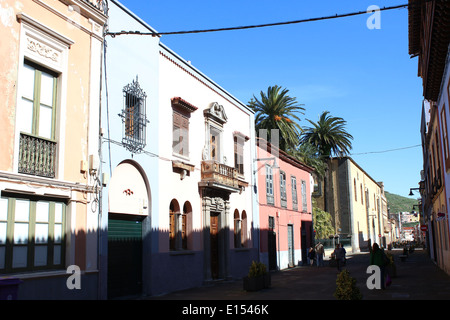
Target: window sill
[(183, 157)]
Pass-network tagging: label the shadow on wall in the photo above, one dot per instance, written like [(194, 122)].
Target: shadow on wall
[(135, 260)]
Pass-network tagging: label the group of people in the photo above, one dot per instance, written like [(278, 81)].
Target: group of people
[(377, 257), (316, 254)]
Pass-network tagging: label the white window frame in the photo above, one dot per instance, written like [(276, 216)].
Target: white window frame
[(49, 49), (304, 197), (294, 193), (269, 185)]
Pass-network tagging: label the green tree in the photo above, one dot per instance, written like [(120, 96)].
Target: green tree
[(322, 223), (277, 110), (329, 136), (309, 155)]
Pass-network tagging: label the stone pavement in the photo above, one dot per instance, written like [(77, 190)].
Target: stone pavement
[(418, 278)]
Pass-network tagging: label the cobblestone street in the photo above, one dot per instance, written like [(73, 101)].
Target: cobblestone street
[(418, 278)]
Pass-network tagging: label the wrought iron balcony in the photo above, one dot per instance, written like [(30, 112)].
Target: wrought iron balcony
[(219, 176), (37, 156)]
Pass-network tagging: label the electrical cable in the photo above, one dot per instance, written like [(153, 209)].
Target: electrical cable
[(158, 34), (384, 151)]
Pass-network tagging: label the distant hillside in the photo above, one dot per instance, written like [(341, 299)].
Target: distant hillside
[(398, 203)]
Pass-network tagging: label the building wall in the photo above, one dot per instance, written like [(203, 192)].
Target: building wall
[(284, 217), (429, 40), (67, 43), (129, 58), (355, 204), (173, 181), (179, 79), (442, 223)]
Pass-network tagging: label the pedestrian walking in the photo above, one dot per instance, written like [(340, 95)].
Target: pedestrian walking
[(311, 256), (377, 258), (338, 253), (320, 251), (343, 254)]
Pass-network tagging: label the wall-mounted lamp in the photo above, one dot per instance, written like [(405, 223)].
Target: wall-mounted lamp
[(411, 190)]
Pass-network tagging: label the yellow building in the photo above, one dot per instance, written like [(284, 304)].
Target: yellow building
[(355, 202), (50, 63)]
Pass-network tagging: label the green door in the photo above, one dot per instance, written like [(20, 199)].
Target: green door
[(124, 256)]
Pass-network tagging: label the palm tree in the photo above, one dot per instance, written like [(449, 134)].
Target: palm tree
[(277, 110), (309, 155), (329, 136)]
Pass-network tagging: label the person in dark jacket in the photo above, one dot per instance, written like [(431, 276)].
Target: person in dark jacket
[(311, 255), (377, 259), (338, 254)]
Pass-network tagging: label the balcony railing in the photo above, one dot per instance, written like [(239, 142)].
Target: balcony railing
[(37, 156), (219, 175)]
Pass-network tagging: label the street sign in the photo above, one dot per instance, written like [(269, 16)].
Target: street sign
[(424, 227)]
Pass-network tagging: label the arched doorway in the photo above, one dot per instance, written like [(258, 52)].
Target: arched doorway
[(128, 207)]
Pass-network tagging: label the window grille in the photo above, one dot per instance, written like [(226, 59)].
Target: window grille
[(271, 223), (134, 118)]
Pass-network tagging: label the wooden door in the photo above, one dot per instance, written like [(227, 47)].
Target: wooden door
[(214, 234)]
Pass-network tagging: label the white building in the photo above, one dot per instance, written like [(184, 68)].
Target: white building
[(180, 150)]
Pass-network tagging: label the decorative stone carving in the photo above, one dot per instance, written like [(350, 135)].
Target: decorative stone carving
[(42, 49), (217, 204), (216, 112), (205, 153)]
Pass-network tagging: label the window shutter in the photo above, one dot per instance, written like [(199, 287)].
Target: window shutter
[(172, 231)]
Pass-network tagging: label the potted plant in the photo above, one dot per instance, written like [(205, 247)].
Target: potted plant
[(258, 278), (346, 288)]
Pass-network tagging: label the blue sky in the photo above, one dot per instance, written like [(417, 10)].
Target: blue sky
[(364, 76)]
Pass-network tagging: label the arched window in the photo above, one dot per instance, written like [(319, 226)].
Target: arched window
[(180, 225), (237, 229), (240, 229), (244, 229), (186, 228), (174, 212)]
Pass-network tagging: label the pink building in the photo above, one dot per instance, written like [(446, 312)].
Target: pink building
[(285, 207)]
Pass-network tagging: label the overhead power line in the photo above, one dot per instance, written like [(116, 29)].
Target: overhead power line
[(384, 151), (157, 34)]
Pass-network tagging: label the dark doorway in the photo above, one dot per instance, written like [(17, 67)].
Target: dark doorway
[(272, 244), (124, 256), (304, 243)]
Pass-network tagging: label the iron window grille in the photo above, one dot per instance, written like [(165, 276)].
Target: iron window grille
[(134, 118)]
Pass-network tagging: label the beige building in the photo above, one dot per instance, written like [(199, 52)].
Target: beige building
[(356, 203), (429, 40), (50, 58)]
